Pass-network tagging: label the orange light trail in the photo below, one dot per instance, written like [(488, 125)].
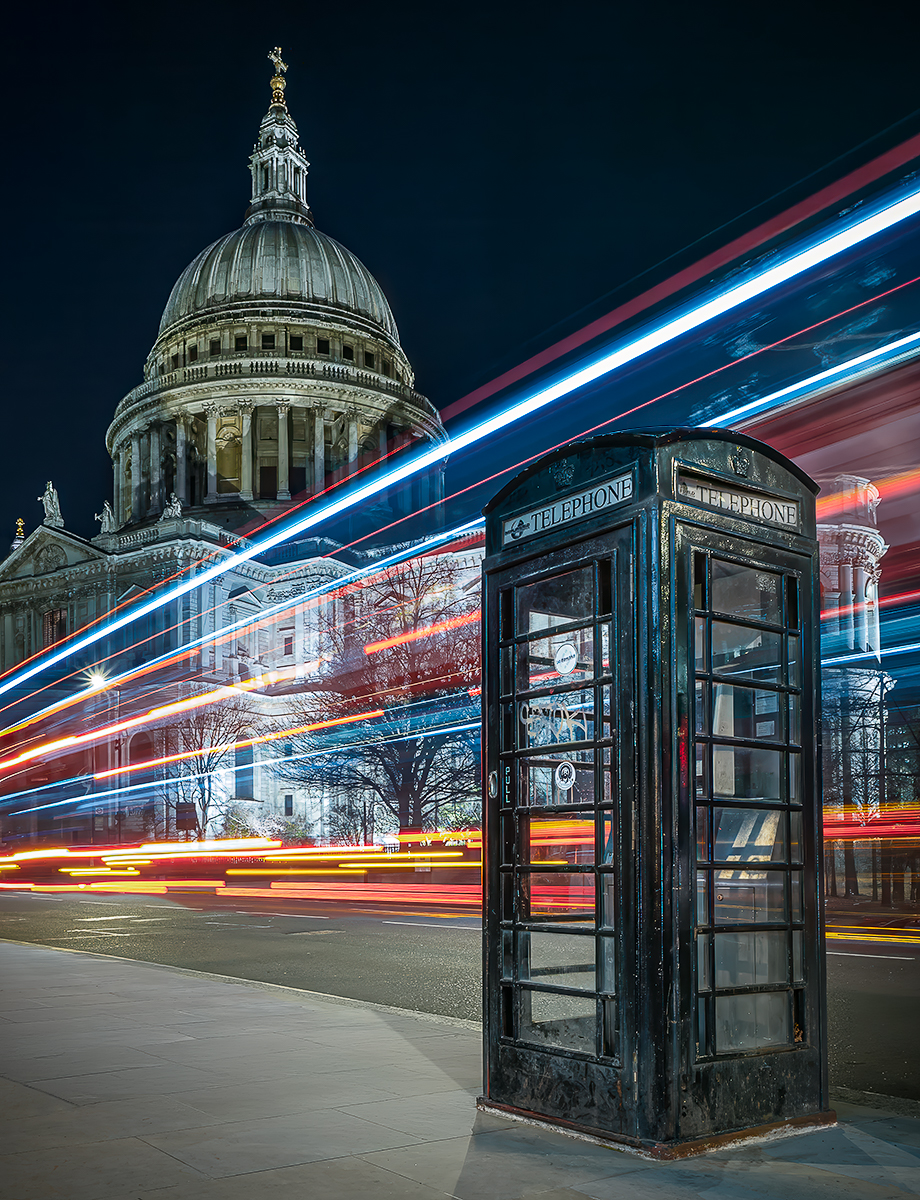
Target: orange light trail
[(277, 735), (892, 487), (154, 714), (427, 632)]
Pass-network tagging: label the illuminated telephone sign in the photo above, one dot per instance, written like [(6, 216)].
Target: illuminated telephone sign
[(653, 954)]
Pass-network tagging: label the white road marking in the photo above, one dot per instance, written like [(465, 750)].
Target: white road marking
[(127, 917), (853, 954), (237, 925), (97, 933), (240, 912)]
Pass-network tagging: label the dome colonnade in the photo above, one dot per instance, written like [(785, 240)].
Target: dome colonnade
[(277, 371)]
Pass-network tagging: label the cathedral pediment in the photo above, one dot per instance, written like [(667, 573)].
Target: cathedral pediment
[(45, 551)]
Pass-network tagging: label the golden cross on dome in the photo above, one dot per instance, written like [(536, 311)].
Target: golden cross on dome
[(280, 64)]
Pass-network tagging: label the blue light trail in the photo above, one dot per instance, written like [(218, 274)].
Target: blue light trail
[(856, 232)]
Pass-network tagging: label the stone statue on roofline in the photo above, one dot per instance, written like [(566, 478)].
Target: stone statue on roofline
[(49, 498), (107, 517), (173, 509)]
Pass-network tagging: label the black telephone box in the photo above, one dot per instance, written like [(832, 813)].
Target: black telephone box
[(654, 964)]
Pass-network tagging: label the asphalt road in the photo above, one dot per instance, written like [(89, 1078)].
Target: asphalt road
[(430, 962)]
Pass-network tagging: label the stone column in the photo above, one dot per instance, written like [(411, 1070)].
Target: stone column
[(319, 451), (846, 604), (246, 450), (181, 461), (352, 443), (116, 485), (145, 471), (299, 652), (211, 411), (156, 471), (137, 477), (862, 610), (284, 455)]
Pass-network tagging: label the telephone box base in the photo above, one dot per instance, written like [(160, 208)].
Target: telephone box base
[(661, 1151)]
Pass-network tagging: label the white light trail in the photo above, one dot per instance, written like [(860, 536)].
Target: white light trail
[(841, 371), (911, 648), (762, 281)]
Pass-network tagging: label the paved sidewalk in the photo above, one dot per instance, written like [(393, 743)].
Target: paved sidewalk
[(128, 1081)]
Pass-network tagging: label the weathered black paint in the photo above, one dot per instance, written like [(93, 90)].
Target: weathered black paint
[(654, 1091)]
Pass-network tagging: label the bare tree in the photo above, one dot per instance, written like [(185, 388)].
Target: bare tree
[(406, 643), (207, 739)]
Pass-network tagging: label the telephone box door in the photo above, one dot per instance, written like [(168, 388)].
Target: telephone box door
[(560, 827)]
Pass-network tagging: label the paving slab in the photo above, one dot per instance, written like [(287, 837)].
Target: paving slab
[(123, 1080)]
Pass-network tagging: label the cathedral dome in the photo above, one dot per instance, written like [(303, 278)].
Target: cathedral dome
[(284, 261)]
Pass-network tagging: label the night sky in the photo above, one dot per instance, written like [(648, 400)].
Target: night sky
[(499, 168)]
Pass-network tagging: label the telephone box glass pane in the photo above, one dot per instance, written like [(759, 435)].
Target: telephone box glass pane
[(563, 959), (557, 894), (748, 959), (556, 601), (745, 712), (608, 849), (750, 897), (699, 644), (795, 837), (702, 898), (746, 592), (755, 654), (608, 964), (565, 658), (703, 982), (507, 670), (561, 839), (748, 835), (795, 650), (752, 1022), (747, 773), (567, 1022), (557, 719), (609, 900), (795, 721), (556, 779)]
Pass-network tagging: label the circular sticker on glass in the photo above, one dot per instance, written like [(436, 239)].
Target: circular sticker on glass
[(565, 658), (565, 776)]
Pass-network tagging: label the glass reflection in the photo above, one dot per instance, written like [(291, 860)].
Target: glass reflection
[(556, 601), (559, 840), (755, 654), (747, 773), (748, 835), (746, 712), (557, 895), (753, 1022), (746, 592), (750, 897), (557, 719), (564, 778), (564, 959), (566, 658), (566, 1022), (747, 959), (699, 643)]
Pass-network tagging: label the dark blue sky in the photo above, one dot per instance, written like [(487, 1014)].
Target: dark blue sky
[(499, 167)]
